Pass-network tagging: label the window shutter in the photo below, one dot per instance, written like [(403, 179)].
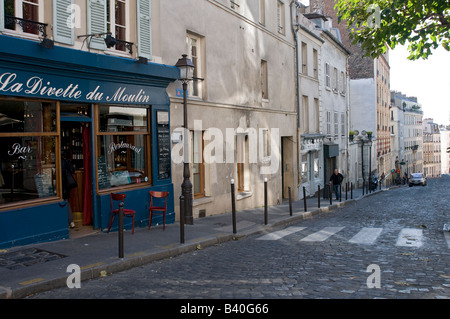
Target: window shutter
[(2, 15), (65, 15), (97, 23), (144, 28)]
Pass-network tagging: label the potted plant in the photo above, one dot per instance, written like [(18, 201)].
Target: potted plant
[(351, 135), (369, 135)]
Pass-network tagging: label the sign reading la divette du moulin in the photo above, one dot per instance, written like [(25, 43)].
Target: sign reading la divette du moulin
[(30, 85)]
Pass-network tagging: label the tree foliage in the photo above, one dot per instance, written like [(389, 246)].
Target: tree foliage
[(422, 24)]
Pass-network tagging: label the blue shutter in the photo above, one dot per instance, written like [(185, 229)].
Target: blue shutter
[(65, 15), (96, 23), (144, 27)]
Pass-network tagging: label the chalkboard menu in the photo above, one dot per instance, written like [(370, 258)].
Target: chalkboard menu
[(163, 135), (103, 176)]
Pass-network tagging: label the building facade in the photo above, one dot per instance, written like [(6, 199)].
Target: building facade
[(241, 105), (311, 152), (333, 97), (407, 134), (445, 149), (383, 133), (82, 88), (431, 149)]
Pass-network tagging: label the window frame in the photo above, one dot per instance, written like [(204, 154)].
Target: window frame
[(57, 148), (262, 12), (18, 13), (281, 17), (327, 76), (147, 144), (197, 139), (264, 80), (316, 63), (195, 87), (242, 163), (112, 24)]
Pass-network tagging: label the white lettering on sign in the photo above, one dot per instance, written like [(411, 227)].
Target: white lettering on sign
[(121, 96), (38, 86), (20, 150), (7, 83), (114, 147)]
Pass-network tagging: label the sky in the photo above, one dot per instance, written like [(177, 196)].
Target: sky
[(428, 80)]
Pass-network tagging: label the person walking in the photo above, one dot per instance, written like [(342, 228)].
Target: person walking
[(335, 181), (68, 182)]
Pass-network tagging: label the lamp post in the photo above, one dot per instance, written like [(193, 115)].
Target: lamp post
[(186, 74)]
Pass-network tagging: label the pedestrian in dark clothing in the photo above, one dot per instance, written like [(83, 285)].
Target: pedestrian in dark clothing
[(68, 182), (335, 181)]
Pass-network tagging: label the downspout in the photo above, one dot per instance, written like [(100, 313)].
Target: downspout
[(295, 28), (347, 107)]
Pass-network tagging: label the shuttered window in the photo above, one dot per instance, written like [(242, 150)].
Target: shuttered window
[(144, 16), (66, 16), (96, 22)]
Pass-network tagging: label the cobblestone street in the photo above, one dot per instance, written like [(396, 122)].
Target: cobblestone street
[(399, 232)]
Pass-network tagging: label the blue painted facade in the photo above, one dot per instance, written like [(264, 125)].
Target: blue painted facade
[(28, 70)]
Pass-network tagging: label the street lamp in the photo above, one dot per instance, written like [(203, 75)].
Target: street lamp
[(364, 139), (186, 74)]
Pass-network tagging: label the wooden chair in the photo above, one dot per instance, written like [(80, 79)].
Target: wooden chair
[(154, 197), (114, 212)]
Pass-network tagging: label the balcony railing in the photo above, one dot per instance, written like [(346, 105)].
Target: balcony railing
[(122, 45), (28, 26)]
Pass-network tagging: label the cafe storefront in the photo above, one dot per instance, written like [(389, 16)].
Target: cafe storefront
[(109, 116)]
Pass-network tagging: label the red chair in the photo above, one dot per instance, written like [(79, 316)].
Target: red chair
[(158, 196), (114, 212)]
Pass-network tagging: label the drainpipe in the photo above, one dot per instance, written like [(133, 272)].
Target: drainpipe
[(295, 28)]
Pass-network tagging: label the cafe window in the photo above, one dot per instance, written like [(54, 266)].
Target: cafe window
[(123, 143), (28, 139)]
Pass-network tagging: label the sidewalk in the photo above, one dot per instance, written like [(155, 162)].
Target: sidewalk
[(98, 254)]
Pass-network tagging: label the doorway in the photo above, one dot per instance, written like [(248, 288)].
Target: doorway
[(76, 148)]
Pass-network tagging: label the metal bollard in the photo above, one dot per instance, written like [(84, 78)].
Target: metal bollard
[(331, 195), (290, 201), (121, 230), (351, 190), (318, 196), (304, 198), (182, 219), (340, 193), (346, 190), (265, 202), (233, 206)]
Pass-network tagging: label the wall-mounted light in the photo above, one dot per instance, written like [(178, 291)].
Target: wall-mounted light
[(47, 43), (110, 41), (142, 60)]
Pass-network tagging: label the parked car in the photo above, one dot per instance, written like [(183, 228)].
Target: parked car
[(417, 179)]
